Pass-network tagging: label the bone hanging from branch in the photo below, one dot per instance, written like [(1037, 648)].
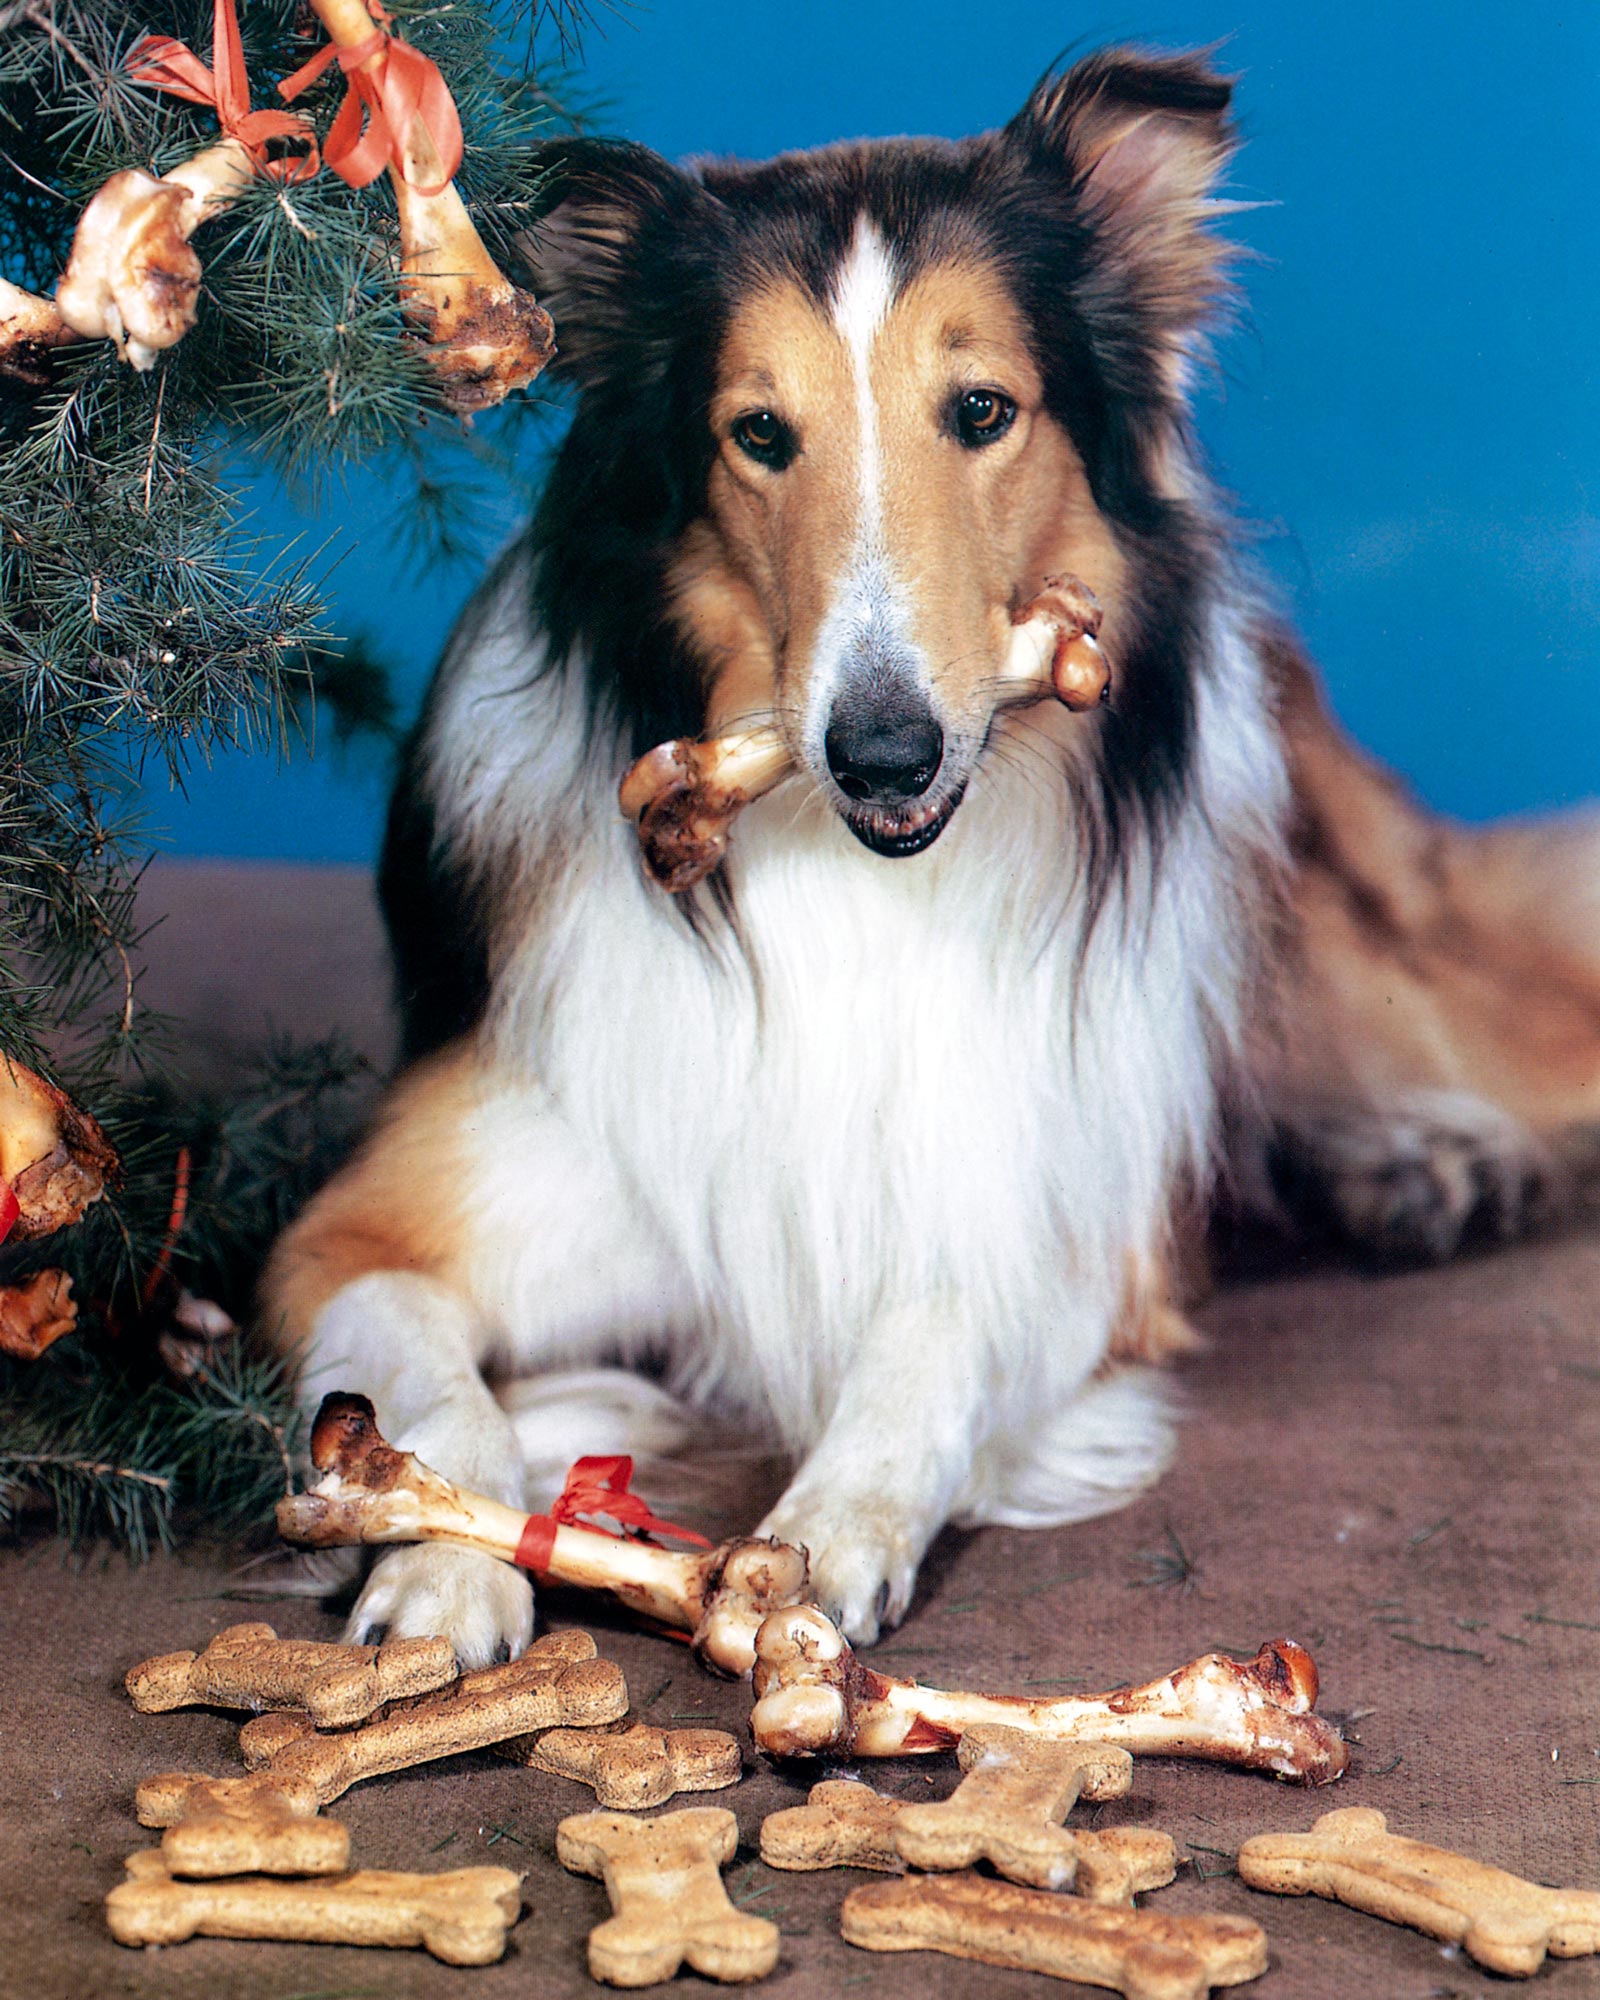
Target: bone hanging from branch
[(816, 1699), (684, 796), (485, 337), (30, 328), (132, 277), (34, 1315), (54, 1159), (369, 1492)]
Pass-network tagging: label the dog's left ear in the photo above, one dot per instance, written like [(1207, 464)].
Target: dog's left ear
[(1143, 139), (616, 255)]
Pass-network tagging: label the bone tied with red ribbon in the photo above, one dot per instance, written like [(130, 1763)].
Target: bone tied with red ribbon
[(598, 1485), (166, 64), (368, 1492), (381, 104)]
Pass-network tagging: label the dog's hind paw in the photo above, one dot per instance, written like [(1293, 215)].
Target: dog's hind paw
[(483, 1606), (1416, 1183)]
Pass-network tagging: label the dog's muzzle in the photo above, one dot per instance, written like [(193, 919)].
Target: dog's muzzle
[(885, 751)]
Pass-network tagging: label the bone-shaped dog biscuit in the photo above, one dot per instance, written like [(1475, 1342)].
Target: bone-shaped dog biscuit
[(461, 1917), (1117, 1863), (1502, 1921), (843, 1824), (241, 1826), (266, 1822), (556, 1683), (816, 1699), (632, 1769), (1009, 1806), (846, 1824), (249, 1666), (671, 1909), (1143, 1954)]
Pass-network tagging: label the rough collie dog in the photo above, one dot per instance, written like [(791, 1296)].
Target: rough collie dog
[(874, 1142)]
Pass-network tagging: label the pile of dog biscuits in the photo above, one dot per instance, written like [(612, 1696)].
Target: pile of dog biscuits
[(256, 1856)]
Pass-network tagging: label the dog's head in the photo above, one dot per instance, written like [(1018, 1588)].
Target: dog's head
[(840, 414)]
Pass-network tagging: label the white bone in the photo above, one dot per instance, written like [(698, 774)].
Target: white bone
[(485, 337), (29, 327), (132, 277), (684, 795), (815, 1698), (369, 1493)]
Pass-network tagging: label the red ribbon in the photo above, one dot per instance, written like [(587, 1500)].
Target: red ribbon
[(10, 1209), (381, 105), (594, 1486), (165, 64)]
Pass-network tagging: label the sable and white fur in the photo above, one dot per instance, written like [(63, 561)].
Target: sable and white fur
[(875, 1151)]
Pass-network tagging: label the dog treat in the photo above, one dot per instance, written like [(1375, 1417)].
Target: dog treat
[(846, 1824), (1144, 1954), (843, 1824), (369, 1492), (132, 277), (557, 1682), (267, 1822), (1497, 1918), (1055, 646), (1009, 1806), (663, 1877), (485, 337), (54, 1159), (685, 795), (249, 1666), (1116, 1863), (461, 1917), (816, 1699), (35, 1314), (632, 1769), (30, 328), (259, 1825)]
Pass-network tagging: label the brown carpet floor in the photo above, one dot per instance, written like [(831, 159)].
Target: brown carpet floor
[(1403, 1472)]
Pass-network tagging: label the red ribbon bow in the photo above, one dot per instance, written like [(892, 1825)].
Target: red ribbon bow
[(594, 1486), (386, 101), (165, 64)]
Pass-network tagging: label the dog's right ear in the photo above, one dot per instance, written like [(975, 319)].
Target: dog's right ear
[(616, 246)]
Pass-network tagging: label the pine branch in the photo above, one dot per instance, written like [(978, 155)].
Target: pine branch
[(112, 1456), (145, 623)]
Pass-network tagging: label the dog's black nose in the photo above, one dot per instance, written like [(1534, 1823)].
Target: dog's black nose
[(883, 751)]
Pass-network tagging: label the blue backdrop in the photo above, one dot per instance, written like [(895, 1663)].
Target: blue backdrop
[(1408, 412)]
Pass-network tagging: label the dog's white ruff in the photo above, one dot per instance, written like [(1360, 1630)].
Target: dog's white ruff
[(868, 1176)]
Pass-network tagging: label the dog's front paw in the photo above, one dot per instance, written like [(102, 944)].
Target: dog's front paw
[(482, 1606), (863, 1565)]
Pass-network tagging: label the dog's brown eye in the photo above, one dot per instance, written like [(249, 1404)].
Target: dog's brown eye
[(765, 438), (981, 416)]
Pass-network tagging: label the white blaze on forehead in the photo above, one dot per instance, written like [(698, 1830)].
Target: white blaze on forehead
[(862, 294)]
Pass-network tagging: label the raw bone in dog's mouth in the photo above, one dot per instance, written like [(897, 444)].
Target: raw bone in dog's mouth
[(684, 795), (816, 1699), (369, 1492)]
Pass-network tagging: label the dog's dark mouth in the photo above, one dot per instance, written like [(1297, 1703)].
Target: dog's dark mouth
[(906, 831)]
